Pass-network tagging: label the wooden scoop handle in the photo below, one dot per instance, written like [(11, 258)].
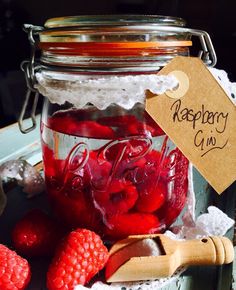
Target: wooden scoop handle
[(207, 251)]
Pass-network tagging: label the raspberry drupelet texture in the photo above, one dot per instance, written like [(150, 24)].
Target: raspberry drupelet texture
[(79, 257), (14, 270), (36, 234)]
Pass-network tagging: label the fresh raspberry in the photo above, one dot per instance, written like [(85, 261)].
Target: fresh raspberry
[(125, 152), (142, 128), (70, 125), (75, 209), (152, 126), (142, 170), (145, 126), (121, 226), (36, 234), (117, 121), (63, 123), (151, 188), (79, 257), (53, 168), (178, 187), (118, 197), (92, 129), (70, 193), (126, 125), (152, 195), (98, 169), (15, 271)]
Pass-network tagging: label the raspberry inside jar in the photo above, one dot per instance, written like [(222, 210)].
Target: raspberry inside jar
[(108, 166), (113, 171)]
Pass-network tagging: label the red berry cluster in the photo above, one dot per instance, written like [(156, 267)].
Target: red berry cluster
[(124, 187), (36, 234), (104, 127), (79, 255), (14, 271)]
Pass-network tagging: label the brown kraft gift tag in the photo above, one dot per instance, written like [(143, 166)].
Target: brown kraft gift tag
[(200, 119)]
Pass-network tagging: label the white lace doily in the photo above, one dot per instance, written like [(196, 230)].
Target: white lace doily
[(124, 91), (222, 78)]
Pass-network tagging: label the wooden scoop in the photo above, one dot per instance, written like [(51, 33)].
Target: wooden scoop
[(127, 263)]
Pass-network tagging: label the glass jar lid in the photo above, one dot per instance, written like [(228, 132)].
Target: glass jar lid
[(116, 34), (113, 43), (101, 40), (113, 20)]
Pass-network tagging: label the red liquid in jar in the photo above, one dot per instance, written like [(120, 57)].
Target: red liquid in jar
[(116, 175)]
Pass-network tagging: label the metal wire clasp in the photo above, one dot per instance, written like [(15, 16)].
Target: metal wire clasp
[(207, 54), (28, 68), (32, 114)]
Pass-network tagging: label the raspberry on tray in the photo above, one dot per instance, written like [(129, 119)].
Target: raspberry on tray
[(79, 257), (15, 273), (36, 234)]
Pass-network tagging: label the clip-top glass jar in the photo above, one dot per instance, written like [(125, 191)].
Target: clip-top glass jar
[(108, 166)]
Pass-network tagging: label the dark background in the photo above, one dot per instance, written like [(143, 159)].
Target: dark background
[(217, 17)]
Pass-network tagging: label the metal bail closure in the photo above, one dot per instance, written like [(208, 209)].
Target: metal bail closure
[(28, 68), (31, 92), (207, 54), (35, 95)]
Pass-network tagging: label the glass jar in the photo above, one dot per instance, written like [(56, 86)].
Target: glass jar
[(108, 166)]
